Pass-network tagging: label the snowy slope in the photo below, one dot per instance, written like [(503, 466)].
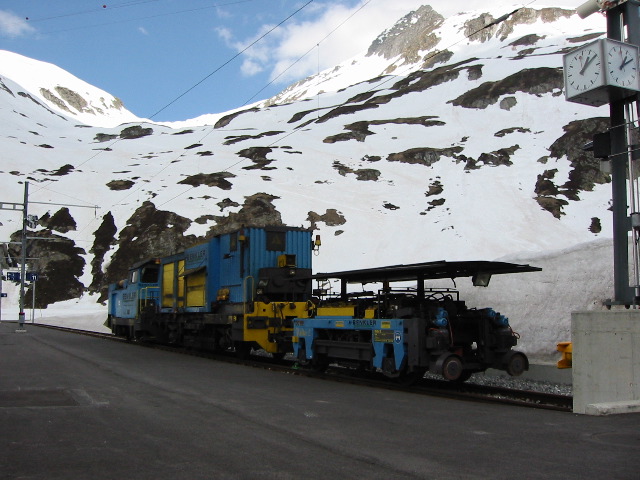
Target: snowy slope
[(394, 170), (63, 92), (554, 29)]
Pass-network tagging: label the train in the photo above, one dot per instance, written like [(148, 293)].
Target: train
[(254, 289)]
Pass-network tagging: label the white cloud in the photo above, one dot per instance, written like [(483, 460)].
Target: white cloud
[(225, 34), (250, 68), (143, 30), (13, 26), (222, 13), (328, 36)]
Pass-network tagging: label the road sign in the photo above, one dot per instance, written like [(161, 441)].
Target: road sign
[(32, 221), (32, 276), (13, 276)]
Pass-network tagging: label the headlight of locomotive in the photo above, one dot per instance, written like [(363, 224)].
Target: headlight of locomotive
[(262, 286)]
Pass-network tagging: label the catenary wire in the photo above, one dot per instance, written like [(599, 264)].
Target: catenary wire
[(115, 141), (291, 65), (99, 8), (108, 147), (158, 15), (309, 51), (231, 59)]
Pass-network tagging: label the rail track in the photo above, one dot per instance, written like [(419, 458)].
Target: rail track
[(427, 386)]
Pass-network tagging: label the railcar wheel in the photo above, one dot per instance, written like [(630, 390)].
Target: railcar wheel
[(451, 368), (516, 363)]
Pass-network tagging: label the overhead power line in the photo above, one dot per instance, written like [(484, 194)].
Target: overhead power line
[(217, 69), (135, 19), (206, 77), (104, 6), (317, 45), (230, 60)]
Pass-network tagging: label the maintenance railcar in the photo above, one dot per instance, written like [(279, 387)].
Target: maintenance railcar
[(405, 331), (252, 288)]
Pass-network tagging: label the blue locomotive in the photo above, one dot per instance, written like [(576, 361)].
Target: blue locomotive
[(129, 297), (252, 289), (239, 290)]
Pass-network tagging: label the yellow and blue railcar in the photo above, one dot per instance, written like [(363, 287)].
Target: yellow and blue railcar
[(403, 331), (240, 289)]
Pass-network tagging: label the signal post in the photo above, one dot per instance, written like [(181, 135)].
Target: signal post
[(606, 344)]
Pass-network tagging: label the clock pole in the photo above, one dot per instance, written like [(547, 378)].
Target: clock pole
[(626, 13)]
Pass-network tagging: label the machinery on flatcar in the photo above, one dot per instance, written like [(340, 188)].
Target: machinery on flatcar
[(405, 331), (239, 290)]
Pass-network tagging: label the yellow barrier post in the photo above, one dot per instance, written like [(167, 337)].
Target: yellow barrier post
[(566, 348)]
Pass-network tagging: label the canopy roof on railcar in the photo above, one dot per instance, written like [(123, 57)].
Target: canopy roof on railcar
[(426, 271)]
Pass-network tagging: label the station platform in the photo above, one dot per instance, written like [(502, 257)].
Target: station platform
[(74, 406)]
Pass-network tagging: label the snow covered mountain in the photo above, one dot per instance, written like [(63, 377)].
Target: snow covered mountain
[(449, 139), (64, 93)]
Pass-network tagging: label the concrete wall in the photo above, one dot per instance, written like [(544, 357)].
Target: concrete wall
[(606, 362)]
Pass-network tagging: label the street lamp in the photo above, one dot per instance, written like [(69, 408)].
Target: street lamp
[(593, 6)]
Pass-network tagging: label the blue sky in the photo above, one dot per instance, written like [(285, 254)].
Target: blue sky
[(149, 52)]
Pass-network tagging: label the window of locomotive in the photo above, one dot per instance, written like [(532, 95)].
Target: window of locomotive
[(133, 276), (150, 274), (233, 242), (276, 241)]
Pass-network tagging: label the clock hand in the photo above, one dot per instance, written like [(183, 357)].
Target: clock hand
[(625, 62), (586, 64)]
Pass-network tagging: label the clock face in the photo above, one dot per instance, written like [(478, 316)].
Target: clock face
[(583, 69), (622, 64), (602, 72)]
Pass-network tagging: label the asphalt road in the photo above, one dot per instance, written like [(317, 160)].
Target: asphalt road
[(76, 407)]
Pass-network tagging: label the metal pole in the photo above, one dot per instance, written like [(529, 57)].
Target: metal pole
[(24, 254), (1, 273), (624, 294), (33, 301), (633, 199), (632, 17)]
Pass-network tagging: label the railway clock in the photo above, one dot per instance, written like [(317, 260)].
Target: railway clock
[(583, 74), (621, 60), (601, 71)]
